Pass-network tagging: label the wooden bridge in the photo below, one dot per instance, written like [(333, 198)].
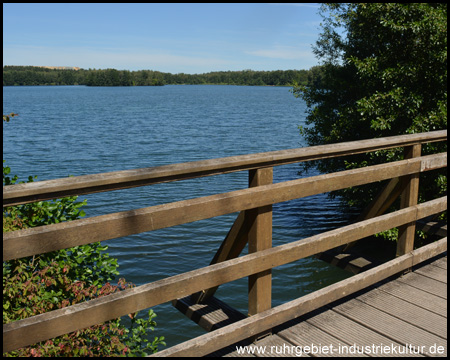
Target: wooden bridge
[(406, 316), (194, 289)]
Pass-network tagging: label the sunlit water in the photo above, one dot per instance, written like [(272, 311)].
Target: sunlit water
[(78, 130)]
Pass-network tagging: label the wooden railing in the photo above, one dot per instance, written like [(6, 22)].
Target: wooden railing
[(253, 225)]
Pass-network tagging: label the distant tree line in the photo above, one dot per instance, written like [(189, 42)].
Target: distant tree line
[(34, 75)]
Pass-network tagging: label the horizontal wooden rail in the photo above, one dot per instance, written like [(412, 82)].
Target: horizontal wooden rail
[(58, 322), (86, 184), (43, 239), (53, 237), (231, 334)]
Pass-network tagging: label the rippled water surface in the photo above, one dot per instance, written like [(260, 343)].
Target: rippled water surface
[(78, 130)]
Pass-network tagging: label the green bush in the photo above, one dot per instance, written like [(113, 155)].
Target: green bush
[(28, 293)]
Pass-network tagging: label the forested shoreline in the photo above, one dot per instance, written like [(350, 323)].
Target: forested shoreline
[(34, 75)]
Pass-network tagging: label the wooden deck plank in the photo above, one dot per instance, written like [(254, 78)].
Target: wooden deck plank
[(406, 316), (269, 346), (304, 334), (351, 332), (406, 311), (417, 297), (210, 315), (213, 341), (275, 346), (442, 262), (348, 260), (370, 326), (390, 326), (230, 351), (366, 322), (425, 283), (433, 272)]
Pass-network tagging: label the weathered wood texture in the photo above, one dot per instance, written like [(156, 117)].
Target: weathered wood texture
[(409, 197), (380, 203), (86, 184), (384, 199), (377, 318), (210, 315), (259, 238), (347, 260), (79, 316), (255, 205), (381, 322), (256, 223), (230, 248), (48, 238), (228, 335)]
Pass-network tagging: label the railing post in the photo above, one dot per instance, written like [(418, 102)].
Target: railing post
[(408, 197), (259, 221)]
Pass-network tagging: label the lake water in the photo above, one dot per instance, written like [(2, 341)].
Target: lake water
[(78, 130)]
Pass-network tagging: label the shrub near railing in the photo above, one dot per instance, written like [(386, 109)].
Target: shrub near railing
[(27, 294), (35, 285)]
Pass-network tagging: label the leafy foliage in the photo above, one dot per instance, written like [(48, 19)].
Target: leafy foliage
[(27, 293), (383, 73), (7, 118)]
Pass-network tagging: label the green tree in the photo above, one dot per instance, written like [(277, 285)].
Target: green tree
[(383, 73)]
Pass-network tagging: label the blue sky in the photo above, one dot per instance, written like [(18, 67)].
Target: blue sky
[(175, 38)]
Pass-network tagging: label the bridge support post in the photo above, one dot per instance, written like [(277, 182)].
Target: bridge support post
[(259, 221), (408, 197)]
